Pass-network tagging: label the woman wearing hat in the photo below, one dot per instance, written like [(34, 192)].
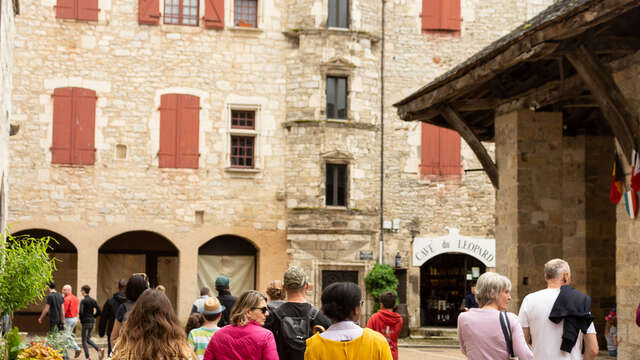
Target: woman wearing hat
[(199, 338)]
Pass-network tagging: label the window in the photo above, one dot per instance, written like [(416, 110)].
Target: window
[(77, 9), (179, 131), (182, 12), (246, 12), (336, 97), (440, 150), (338, 14), (439, 15), (243, 142), (74, 117), (336, 185)]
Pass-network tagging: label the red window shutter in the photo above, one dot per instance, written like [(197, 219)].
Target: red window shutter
[(432, 14), (66, 9), (62, 114), (148, 12), (188, 131), (430, 148), (88, 10), (450, 163), (214, 14), (84, 120), (168, 124), (451, 18)]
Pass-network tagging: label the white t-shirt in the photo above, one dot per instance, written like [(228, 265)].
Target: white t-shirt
[(545, 335)]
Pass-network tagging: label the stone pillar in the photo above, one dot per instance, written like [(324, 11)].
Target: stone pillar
[(187, 281), (529, 200), (87, 268)]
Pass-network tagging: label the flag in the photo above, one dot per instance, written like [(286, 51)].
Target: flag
[(635, 171), (617, 181), (631, 203)]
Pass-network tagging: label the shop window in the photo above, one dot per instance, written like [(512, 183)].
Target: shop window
[(441, 15), (338, 14), (74, 117), (246, 13), (181, 12), (440, 150), (336, 185), (179, 131), (336, 97), (77, 9)]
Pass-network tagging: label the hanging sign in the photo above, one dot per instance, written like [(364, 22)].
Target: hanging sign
[(426, 248)]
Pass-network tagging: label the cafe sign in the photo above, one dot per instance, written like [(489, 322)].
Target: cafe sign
[(426, 248)]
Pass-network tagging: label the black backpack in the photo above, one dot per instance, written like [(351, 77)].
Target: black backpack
[(294, 331)]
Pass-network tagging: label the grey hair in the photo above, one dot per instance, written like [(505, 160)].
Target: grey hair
[(489, 286), (554, 269)]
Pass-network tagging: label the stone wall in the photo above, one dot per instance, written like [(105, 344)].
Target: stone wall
[(7, 35)]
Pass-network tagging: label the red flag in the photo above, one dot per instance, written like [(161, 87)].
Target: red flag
[(617, 182)]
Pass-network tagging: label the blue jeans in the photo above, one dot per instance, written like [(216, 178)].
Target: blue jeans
[(613, 353), (69, 326)]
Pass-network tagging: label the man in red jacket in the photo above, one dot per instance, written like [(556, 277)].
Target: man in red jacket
[(387, 322)]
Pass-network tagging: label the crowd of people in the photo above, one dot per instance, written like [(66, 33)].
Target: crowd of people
[(140, 323)]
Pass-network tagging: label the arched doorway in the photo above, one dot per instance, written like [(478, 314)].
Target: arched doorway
[(66, 273), (138, 252), (444, 281), (229, 255)]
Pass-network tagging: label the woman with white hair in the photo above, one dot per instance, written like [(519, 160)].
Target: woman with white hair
[(489, 332)]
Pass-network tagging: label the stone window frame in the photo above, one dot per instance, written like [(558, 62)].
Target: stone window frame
[(337, 70), (255, 132), (336, 158), (230, 10), (361, 268), (180, 16), (349, 11)]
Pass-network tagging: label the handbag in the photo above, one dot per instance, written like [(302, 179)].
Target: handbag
[(506, 331)]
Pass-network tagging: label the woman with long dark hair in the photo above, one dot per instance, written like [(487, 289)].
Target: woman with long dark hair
[(136, 285), (345, 339), (152, 332), (245, 338)]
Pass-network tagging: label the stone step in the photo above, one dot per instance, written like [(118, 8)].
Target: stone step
[(428, 332)]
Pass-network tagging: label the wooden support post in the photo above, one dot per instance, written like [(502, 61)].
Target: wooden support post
[(455, 120), (612, 102)]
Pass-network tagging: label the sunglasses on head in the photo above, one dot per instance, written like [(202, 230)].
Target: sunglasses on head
[(264, 309)]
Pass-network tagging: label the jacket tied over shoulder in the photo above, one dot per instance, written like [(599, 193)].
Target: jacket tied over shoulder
[(574, 308)]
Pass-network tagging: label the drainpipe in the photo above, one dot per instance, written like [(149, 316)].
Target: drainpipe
[(382, 137)]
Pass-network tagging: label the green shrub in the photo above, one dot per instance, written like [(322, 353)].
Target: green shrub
[(381, 279), (14, 344)]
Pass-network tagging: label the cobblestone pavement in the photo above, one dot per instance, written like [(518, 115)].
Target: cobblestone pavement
[(433, 354)]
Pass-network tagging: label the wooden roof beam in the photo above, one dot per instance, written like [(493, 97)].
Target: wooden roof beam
[(455, 120), (614, 106)]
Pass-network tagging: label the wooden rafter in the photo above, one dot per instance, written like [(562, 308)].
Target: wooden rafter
[(613, 104), (455, 120)]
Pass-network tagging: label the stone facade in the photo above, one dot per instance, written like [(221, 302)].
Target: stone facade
[(279, 70), (7, 34)]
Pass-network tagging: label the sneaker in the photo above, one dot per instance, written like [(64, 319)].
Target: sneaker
[(101, 353), (77, 354)]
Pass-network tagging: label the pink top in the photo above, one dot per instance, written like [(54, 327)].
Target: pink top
[(481, 336), (250, 342)]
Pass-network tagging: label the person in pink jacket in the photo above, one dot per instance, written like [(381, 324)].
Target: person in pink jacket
[(244, 338)]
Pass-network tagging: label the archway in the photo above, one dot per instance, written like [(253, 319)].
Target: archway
[(66, 273), (444, 281), (229, 255), (138, 252)]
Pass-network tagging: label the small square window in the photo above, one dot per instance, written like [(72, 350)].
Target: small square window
[(336, 97), (181, 12), (246, 13), (338, 14), (242, 152), (336, 185), (243, 119)]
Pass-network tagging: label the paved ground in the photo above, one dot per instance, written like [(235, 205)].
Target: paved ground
[(429, 353)]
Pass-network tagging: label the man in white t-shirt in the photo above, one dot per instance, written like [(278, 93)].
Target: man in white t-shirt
[(545, 335)]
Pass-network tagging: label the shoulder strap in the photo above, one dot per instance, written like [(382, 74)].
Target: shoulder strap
[(313, 313), (506, 331)]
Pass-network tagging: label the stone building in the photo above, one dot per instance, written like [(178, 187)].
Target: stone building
[(8, 10), (186, 139), (566, 104)]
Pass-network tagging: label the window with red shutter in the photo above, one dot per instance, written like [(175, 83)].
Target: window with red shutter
[(77, 9), (73, 140), (441, 15), (181, 12), (179, 131), (149, 12), (440, 151), (214, 14)]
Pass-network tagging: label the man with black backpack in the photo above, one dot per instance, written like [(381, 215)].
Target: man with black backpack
[(293, 322)]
